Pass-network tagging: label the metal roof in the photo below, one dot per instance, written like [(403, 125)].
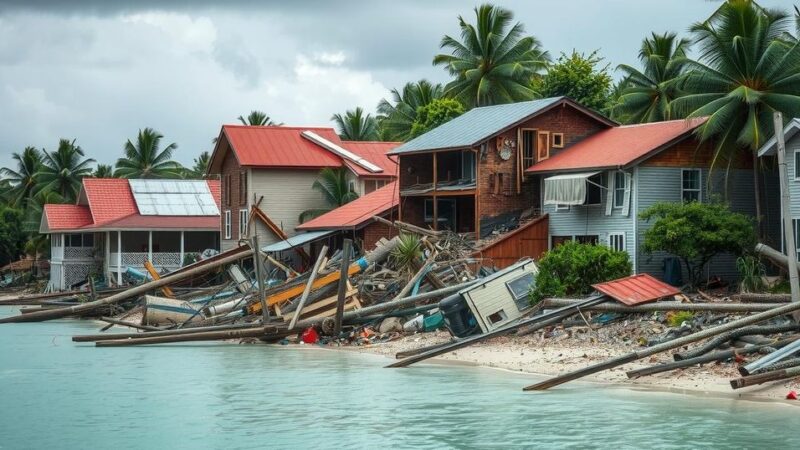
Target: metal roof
[(296, 241), (474, 126), (358, 212), (173, 198), (789, 131), (636, 289)]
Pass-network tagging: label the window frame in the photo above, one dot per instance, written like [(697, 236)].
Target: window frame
[(796, 166), (699, 188), (539, 156), (562, 207), (227, 225), (528, 159), (553, 138), (473, 158), (243, 217), (619, 186), (621, 236)]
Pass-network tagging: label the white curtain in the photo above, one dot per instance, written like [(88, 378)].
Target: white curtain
[(566, 189)]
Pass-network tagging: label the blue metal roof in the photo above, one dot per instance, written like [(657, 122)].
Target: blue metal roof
[(296, 241), (474, 126)]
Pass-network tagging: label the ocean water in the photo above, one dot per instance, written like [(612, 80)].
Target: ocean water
[(57, 394)]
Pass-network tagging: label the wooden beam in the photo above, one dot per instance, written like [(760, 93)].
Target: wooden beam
[(347, 247), (156, 276), (307, 290)]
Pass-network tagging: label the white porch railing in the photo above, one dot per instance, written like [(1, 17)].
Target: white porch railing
[(165, 260), (78, 252)]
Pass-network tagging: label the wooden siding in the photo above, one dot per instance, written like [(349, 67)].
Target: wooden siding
[(494, 297), (528, 241)]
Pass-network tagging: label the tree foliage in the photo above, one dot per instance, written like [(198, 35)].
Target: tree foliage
[(257, 118), (493, 62), (12, 237), (696, 232), (22, 180), (145, 158), (62, 170), (396, 117), (571, 268), (355, 125), (334, 186), (434, 114), (579, 77), (645, 95), (103, 171)]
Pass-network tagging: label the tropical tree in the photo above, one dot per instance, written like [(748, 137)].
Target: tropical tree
[(579, 77), (201, 164), (356, 126), (335, 189), (746, 70), (12, 238), (23, 179), (257, 118), (397, 117), (436, 113), (146, 159), (493, 63), (646, 94), (103, 171), (62, 170)]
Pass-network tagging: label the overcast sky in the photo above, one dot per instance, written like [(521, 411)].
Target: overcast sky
[(97, 71)]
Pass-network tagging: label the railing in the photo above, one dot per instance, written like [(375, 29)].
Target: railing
[(78, 252), (170, 260)]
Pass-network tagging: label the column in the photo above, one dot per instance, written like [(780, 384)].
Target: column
[(107, 259), (182, 251), (150, 247), (119, 258)]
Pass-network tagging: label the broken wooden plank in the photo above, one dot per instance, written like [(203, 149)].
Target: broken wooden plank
[(317, 266)]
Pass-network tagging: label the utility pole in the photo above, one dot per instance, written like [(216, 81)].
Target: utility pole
[(788, 226)]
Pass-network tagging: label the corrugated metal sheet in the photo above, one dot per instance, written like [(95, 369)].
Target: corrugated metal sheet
[(359, 211), (636, 289), (173, 198), (474, 126), (295, 241), (616, 147)]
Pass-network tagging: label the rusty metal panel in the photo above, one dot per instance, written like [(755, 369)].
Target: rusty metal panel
[(636, 289)]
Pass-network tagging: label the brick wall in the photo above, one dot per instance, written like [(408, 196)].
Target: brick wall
[(373, 232), (229, 176)]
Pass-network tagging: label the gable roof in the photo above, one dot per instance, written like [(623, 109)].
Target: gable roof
[(479, 124), (108, 203), (618, 147), (357, 213), (771, 147), (283, 147)]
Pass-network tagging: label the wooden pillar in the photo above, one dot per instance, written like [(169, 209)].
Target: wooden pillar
[(347, 245), (107, 262), (435, 200), (150, 246), (119, 258), (477, 212), (182, 249)]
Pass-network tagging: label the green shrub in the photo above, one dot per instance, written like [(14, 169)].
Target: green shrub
[(408, 250), (572, 268), (751, 273), (676, 318), (696, 232)]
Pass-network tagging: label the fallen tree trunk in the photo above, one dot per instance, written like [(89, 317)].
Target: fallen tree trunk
[(137, 335), (725, 337), (675, 343), (132, 292), (206, 336), (775, 375), (663, 306), (762, 298)]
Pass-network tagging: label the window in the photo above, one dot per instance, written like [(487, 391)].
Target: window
[(562, 207), (619, 189), (690, 185), (796, 165), (528, 148), (497, 317), (519, 288), (542, 145), (373, 185), (616, 241), (558, 140), (55, 240), (445, 213), (242, 223), (78, 240), (352, 185), (468, 165), (242, 187), (555, 241), (795, 223), (588, 239), (594, 190), (227, 225)]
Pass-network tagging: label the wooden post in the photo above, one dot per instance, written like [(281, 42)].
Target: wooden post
[(345, 264), (149, 245), (258, 263), (119, 258), (435, 200), (788, 228), (310, 282), (180, 264)]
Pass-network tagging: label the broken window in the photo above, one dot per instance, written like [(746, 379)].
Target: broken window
[(543, 145), (519, 288), (558, 140), (468, 165), (528, 148)]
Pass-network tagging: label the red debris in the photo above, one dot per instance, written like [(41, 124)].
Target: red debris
[(310, 336), (636, 289)]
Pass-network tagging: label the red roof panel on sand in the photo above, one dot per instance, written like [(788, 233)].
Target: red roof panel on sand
[(281, 146), (357, 212), (374, 152), (636, 289), (616, 147), (67, 217)]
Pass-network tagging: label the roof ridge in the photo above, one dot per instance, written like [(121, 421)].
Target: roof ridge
[(278, 127), (660, 122)]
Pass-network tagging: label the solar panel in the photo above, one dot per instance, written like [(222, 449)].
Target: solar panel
[(173, 198)]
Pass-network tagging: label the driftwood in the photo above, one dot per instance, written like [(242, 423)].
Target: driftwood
[(205, 336), (113, 321), (669, 345), (133, 292), (417, 276), (347, 247), (664, 306), (317, 265), (402, 226), (775, 375), (761, 298), (725, 337), (182, 331)]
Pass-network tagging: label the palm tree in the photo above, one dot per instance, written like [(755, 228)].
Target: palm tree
[(200, 166), (395, 120), (646, 95), (744, 73), (146, 159), (493, 63), (62, 170), (356, 126), (23, 179), (335, 188), (258, 118), (103, 171)]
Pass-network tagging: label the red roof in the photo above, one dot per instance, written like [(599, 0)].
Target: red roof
[(374, 152), (66, 217), (618, 146), (636, 289), (356, 213), (285, 147), (109, 203)]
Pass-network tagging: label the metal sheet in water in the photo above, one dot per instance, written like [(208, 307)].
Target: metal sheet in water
[(636, 289)]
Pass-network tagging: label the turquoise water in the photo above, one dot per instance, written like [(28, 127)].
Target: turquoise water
[(60, 395)]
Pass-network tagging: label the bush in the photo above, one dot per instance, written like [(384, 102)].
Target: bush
[(572, 268), (676, 318), (434, 114), (696, 232)]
